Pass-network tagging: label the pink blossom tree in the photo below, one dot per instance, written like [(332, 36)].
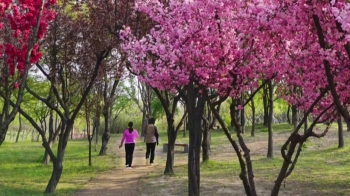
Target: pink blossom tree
[(232, 45)]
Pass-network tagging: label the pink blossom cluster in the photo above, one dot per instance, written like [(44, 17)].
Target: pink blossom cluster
[(22, 17), (232, 46)]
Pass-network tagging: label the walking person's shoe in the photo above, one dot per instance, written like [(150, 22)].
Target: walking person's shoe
[(152, 163), (147, 161)]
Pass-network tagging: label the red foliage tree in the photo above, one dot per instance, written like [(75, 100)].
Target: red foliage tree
[(22, 25)]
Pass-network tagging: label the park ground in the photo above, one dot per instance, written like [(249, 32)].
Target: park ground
[(322, 170)]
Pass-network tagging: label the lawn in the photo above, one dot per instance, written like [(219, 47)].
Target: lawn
[(23, 172), (322, 168)]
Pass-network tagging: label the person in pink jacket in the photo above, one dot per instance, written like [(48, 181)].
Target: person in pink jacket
[(129, 137)]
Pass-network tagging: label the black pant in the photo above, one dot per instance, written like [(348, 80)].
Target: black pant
[(129, 152), (151, 147)]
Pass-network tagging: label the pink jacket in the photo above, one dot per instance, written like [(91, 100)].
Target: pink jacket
[(128, 137)]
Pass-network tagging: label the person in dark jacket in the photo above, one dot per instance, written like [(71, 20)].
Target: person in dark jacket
[(151, 139)]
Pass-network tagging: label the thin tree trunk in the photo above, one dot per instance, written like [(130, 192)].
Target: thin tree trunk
[(253, 118), (288, 115), (305, 124), (96, 129), (232, 111), (50, 139), (20, 127), (171, 143), (270, 130), (106, 135), (242, 117), (340, 133), (185, 127), (294, 116), (265, 105), (206, 141)]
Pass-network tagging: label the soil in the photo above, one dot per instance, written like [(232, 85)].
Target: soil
[(120, 181)]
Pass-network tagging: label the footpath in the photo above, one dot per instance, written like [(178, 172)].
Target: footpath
[(120, 181)]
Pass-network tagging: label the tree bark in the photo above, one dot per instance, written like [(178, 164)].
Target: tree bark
[(171, 144), (253, 119), (50, 138), (270, 122), (294, 116), (265, 105), (340, 133), (305, 124), (206, 140), (20, 127), (206, 135), (57, 162), (288, 115), (195, 112), (242, 114)]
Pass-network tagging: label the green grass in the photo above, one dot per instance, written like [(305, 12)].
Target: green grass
[(23, 172), (321, 167)]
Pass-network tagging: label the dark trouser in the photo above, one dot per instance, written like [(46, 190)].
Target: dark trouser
[(151, 147), (129, 151)]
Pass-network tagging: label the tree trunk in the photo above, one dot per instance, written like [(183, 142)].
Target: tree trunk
[(265, 105), (20, 127), (294, 116), (106, 135), (195, 112), (253, 118), (232, 111), (305, 125), (57, 162), (288, 115), (185, 127), (90, 140), (144, 123), (55, 177), (270, 122), (96, 129), (340, 133), (242, 118), (3, 134), (171, 143), (206, 141), (213, 122), (50, 139), (284, 168)]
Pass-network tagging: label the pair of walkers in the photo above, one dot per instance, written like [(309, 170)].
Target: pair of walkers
[(151, 138)]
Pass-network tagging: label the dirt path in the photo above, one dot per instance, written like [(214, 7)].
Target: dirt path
[(120, 181)]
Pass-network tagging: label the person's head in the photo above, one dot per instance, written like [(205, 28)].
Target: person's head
[(130, 124), (151, 121)]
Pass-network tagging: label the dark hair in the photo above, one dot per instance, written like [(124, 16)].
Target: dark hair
[(151, 121), (130, 124)]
